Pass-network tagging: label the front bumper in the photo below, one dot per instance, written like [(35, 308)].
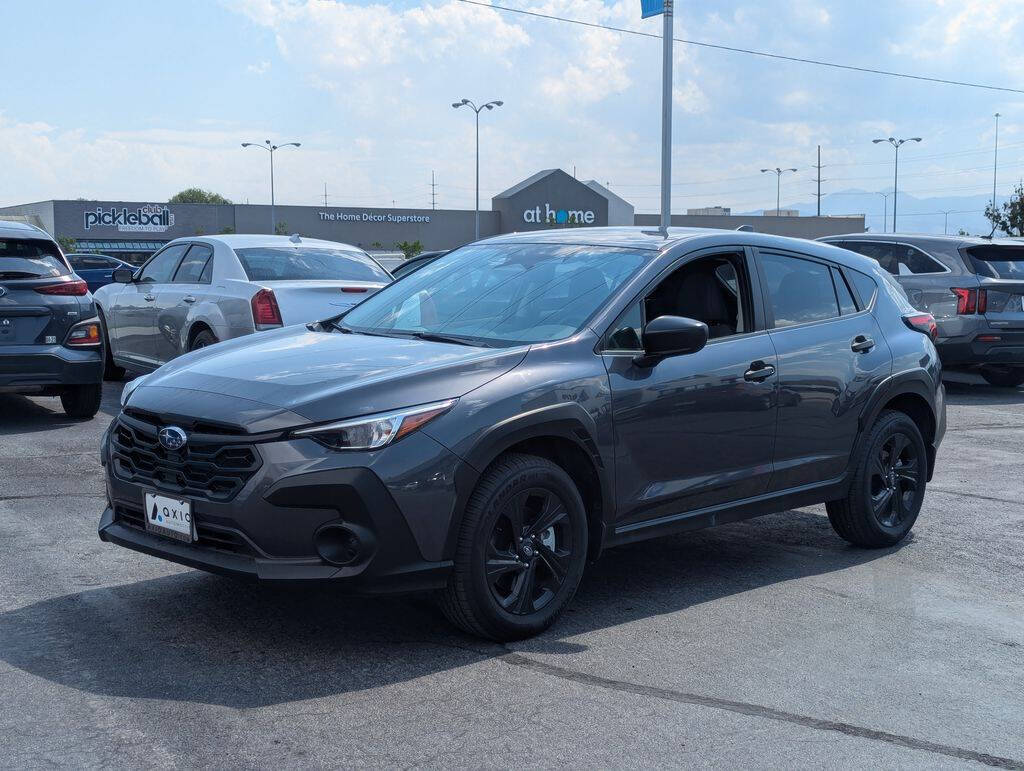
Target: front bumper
[(967, 351), (269, 529), (29, 366)]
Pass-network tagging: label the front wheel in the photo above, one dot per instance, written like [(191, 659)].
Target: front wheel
[(82, 401), (1003, 377), (521, 551), (887, 490)]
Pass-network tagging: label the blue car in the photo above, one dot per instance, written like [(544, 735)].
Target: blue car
[(96, 269)]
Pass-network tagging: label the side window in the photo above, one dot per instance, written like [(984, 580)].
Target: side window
[(207, 276), (192, 267), (624, 334), (160, 269), (76, 261), (865, 286), (846, 303), (799, 290), (712, 289), (910, 261)]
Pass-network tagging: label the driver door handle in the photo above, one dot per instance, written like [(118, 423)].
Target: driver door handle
[(188, 299), (758, 371), (862, 344), (149, 298)]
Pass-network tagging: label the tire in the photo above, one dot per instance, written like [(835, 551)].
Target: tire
[(531, 579), (203, 339), (888, 485), (82, 401), (1003, 377), (111, 372)]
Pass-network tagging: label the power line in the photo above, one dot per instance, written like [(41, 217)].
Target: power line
[(748, 51)]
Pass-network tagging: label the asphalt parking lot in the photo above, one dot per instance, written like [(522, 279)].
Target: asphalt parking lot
[(765, 643)]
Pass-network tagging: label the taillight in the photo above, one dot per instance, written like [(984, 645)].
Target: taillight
[(85, 334), (923, 323), (353, 289), (970, 301), (265, 312), (76, 288)]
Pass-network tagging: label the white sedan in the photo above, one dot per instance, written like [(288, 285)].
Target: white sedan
[(198, 291)]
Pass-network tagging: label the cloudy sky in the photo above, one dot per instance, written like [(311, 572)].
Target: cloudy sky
[(135, 100)]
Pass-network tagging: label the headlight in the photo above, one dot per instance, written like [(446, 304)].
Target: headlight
[(130, 387), (374, 431)]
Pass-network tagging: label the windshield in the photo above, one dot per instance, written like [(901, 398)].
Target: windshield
[(289, 263), (30, 258), (500, 293), (998, 261)]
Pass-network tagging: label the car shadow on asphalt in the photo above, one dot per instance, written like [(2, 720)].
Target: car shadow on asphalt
[(22, 415), (961, 392), (200, 638)]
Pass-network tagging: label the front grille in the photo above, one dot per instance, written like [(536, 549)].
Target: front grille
[(207, 467), (207, 536)]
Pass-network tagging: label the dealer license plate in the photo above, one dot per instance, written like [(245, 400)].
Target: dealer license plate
[(169, 517)]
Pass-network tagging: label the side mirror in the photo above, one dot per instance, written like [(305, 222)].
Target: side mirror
[(123, 275), (671, 336)]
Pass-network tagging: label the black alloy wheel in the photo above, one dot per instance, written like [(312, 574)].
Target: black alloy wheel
[(521, 550), (887, 490), (530, 551), (895, 476)]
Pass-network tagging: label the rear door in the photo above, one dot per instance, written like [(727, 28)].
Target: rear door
[(188, 287), (831, 355), (132, 316), (29, 316)]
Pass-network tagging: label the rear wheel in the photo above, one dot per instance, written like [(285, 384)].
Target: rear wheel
[(887, 490), (203, 339), (1003, 376), (110, 370), (82, 401), (521, 550)]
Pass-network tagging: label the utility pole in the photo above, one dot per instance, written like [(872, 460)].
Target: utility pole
[(995, 163), (433, 191), (325, 195), (819, 180)]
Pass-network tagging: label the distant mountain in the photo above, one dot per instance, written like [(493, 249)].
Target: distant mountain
[(915, 215)]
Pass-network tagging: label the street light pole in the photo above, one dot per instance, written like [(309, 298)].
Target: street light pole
[(995, 163), (778, 187), (885, 211), (477, 110), (270, 148), (896, 143), (666, 116)]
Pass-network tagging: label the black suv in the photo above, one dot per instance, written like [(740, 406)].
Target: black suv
[(50, 341), (489, 424)]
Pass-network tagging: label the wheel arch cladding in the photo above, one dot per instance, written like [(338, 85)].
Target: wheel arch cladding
[(568, 444), (909, 394)]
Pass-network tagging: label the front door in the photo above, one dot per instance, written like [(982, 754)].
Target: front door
[(696, 430), (832, 355)]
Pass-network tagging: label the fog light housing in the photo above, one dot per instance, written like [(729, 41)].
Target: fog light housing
[(341, 544)]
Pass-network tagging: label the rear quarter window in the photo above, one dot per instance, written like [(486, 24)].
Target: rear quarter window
[(30, 258), (997, 261)]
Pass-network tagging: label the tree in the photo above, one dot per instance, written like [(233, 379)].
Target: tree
[(281, 229), (1009, 218), (67, 244), (409, 250), (197, 195)]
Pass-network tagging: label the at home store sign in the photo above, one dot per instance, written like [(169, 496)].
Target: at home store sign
[(553, 216)]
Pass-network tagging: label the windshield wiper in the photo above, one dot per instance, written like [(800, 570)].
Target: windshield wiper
[(436, 337)]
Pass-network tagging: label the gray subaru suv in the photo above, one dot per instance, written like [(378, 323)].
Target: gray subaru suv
[(50, 341), (487, 425), (974, 287)]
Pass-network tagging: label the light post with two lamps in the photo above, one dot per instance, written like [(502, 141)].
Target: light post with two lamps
[(778, 186), (270, 148), (897, 144), (477, 110)]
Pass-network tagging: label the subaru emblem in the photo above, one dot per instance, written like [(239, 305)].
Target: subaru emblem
[(172, 437)]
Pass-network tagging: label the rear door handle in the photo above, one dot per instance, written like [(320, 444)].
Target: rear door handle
[(188, 299), (758, 371), (149, 298), (862, 344)]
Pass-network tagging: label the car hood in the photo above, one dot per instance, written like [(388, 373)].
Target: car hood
[(298, 375)]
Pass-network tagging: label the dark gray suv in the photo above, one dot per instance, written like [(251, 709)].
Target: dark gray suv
[(50, 341), (489, 424), (974, 287)]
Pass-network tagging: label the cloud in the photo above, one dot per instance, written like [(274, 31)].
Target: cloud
[(259, 68)]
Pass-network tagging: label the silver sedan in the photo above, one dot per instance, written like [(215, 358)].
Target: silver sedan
[(198, 291)]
